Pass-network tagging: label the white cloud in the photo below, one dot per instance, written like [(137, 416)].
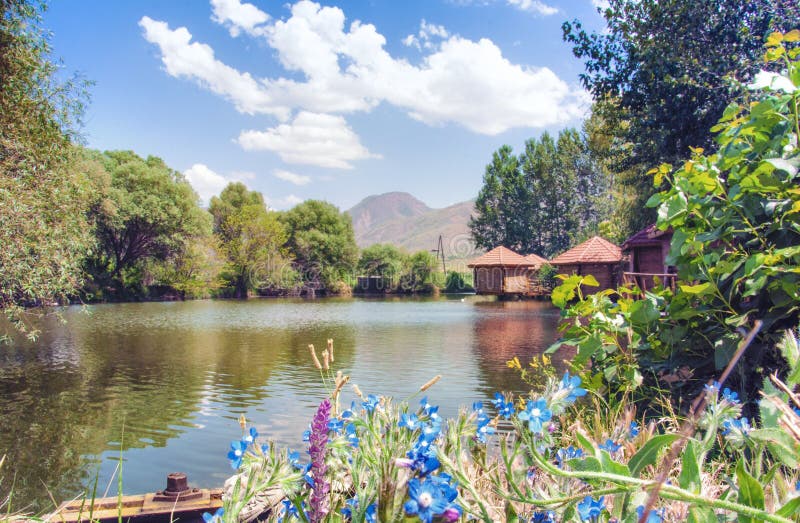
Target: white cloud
[(339, 69), (283, 203), (196, 61), (424, 38), (533, 6), (297, 179), (312, 139), (205, 182), (238, 17)]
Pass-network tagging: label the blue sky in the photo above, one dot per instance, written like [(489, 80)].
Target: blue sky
[(333, 100)]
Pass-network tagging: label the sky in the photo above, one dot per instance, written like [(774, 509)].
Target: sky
[(333, 100)]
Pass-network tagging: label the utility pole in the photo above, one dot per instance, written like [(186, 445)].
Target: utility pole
[(439, 250)]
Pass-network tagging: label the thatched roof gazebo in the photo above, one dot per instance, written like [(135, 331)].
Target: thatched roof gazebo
[(595, 256)]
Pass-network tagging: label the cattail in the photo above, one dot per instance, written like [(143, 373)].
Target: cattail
[(340, 382), (317, 364), (431, 383), (330, 349), (358, 391), (326, 359), (242, 421)]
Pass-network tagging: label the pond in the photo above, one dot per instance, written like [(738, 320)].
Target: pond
[(154, 388)]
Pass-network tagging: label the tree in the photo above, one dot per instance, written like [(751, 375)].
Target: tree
[(148, 212), (542, 201), (252, 239), (381, 259), (418, 274), (43, 228), (669, 69), (321, 241)]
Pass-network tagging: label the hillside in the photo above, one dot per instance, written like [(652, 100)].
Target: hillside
[(402, 220)]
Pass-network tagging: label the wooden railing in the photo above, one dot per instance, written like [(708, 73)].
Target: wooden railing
[(648, 280)]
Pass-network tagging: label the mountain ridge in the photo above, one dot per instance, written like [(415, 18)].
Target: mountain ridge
[(402, 220)]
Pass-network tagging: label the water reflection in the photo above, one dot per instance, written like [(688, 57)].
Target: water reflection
[(164, 383)]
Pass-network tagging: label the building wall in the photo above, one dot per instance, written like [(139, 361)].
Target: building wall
[(488, 280), (606, 274), (648, 259)]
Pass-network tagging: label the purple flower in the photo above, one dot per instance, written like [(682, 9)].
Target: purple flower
[(319, 505)]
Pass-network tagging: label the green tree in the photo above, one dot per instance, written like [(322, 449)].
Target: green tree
[(43, 229), (669, 69), (418, 273), (542, 201), (321, 241), (148, 212), (252, 239), (381, 259)]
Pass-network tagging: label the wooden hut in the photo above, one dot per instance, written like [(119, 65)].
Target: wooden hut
[(502, 271), (646, 253), (595, 256)]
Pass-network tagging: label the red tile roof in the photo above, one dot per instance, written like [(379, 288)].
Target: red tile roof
[(594, 250), (536, 260), (650, 235), (501, 257)]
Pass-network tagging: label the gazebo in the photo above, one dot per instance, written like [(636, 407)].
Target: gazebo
[(596, 256), (647, 253), (502, 271)]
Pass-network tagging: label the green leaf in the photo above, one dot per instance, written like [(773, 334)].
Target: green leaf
[(648, 454), (644, 312), (584, 442), (790, 508), (700, 288), (781, 445), (689, 478), (590, 280), (750, 491), (589, 464), (701, 515), (612, 467)]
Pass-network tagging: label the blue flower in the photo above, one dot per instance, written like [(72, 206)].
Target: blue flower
[(590, 509), (216, 518), (410, 421), (564, 455), (610, 446), (655, 516), (504, 408), (371, 403), (735, 426), (483, 428), (731, 396), (573, 385), (633, 430), (250, 437), (536, 413), (336, 425), (427, 500), (238, 448), (351, 435), (431, 410), (544, 517), (712, 389), (288, 511)]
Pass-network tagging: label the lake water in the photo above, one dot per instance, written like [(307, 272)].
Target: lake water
[(163, 384)]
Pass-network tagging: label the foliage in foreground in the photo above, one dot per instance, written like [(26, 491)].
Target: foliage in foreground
[(555, 455), (735, 218)]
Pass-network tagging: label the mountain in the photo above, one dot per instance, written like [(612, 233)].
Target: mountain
[(402, 220)]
